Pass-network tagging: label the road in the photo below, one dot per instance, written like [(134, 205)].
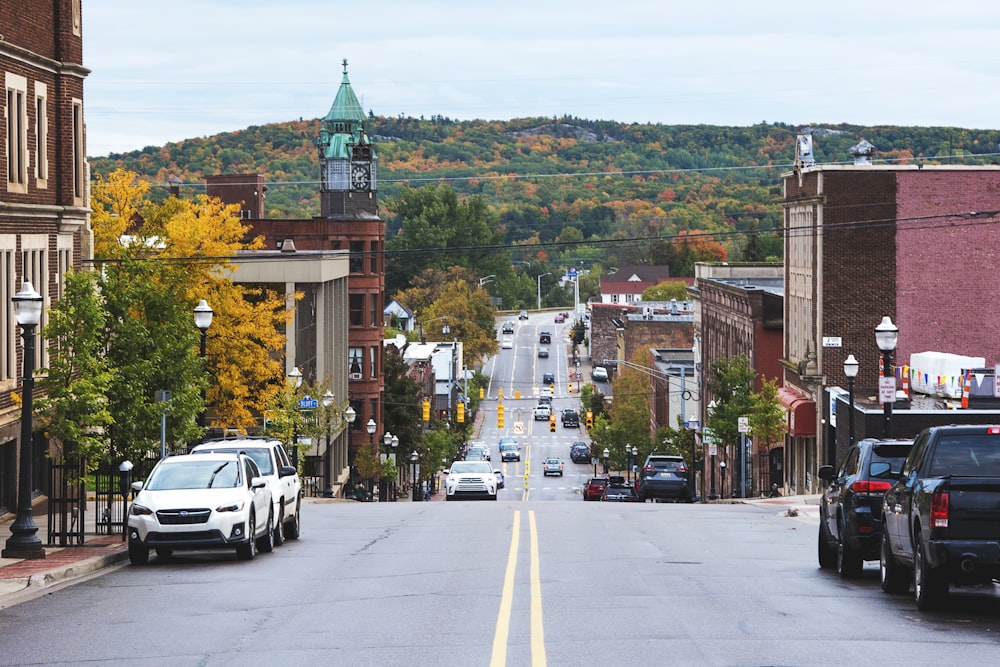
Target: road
[(536, 578)]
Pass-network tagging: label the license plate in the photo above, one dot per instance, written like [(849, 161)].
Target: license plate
[(666, 475)]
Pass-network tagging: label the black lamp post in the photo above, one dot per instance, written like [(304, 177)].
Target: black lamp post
[(628, 462), (886, 335), (851, 371), (414, 482), (203, 320), (607, 455), (372, 427), (23, 541), (327, 401), (391, 442), (712, 495), (350, 414)]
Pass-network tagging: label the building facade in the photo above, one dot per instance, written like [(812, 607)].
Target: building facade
[(44, 202)]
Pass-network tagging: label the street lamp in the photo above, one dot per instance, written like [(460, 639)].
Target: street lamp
[(391, 442), (203, 320), (712, 449), (295, 378), (607, 455), (487, 279), (886, 334), (23, 541), (540, 289), (327, 401), (628, 462), (635, 462), (851, 371), (414, 458), (371, 426)]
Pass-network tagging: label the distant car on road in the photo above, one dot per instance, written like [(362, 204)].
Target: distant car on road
[(621, 493), (542, 412), (594, 488), (523, 315), (560, 318), (509, 451), (570, 418), (471, 479), (508, 327), (552, 466), (850, 513), (599, 374), (543, 353), (500, 478), (579, 452), (507, 344), (664, 477), (548, 378)]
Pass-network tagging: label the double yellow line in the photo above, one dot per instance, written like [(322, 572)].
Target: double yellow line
[(500, 636)]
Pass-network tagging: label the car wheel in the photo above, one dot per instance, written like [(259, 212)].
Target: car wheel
[(849, 562), (827, 554), (929, 585), (164, 553), (293, 527), (279, 527), (265, 543), (138, 553), (248, 549), (891, 574)]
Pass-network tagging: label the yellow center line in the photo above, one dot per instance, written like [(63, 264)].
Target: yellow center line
[(499, 655)]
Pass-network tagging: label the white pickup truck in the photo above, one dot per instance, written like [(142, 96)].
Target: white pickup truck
[(542, 412)]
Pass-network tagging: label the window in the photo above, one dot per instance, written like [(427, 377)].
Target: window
[(356, 309), (41, 135), (17, 133), (357, 258), (373, 361), (79, 167), (373, 307), (374, 257), (354, 363), (8, 326), (34, 270)]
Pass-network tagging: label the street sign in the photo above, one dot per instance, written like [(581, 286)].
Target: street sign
[(518, 428), (743, 424), (886, 390), (308, 403)]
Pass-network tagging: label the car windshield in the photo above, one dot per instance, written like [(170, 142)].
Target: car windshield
[(208, 474), (260, 456), (892, 455), (666, 465), (471, 466), (553, 462)]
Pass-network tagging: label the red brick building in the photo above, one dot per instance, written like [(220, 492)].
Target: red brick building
[(44, 204)]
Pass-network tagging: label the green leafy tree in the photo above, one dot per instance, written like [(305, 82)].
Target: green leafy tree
[(73, 410), (730, 381), (470, 318), (401, 406), (767, 424)]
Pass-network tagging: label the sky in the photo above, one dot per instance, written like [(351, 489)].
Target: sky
[(165, 72)]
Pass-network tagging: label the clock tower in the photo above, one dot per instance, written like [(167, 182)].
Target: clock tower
[(347, 158)]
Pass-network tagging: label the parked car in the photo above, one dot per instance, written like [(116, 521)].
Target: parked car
[(509, 450), (471, 479), (507, 343), (201, 501), (622, 493), (939, 517), (552, 466), (664, 477), (579, 452), (599, 374), (548, 378), (543, 353), (570, 418), (282, 478), (850, 514), (508, 327), (593, 489), (542, 412)]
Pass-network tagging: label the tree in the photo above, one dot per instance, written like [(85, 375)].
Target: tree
[(402, 403), (666, 290), (730, 381), (470, 318), (73, 410), (767, 425), (629, 412)]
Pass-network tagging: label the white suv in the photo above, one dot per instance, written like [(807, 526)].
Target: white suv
[(282, 478), (471, 479)]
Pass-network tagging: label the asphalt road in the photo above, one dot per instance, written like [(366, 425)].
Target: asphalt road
[(511, 582)]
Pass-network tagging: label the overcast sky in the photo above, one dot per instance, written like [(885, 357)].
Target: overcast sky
[(170, 71)]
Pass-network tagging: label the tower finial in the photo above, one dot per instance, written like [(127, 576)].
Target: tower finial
[(345, 65)]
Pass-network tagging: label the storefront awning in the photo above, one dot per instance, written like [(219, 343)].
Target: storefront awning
[(801, 412)]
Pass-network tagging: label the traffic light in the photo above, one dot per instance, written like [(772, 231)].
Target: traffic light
[(499, 415), (481, 394), (590, 418), (552, 423), (427, 410), (500, 392), (460, 412), (569, 388)]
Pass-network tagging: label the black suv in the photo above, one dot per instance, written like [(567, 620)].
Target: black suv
[(570, 418), (665, 477), (850, 528), (579, 452), (508, 327)]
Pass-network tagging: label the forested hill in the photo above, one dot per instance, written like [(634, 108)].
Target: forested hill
[(542, 174)]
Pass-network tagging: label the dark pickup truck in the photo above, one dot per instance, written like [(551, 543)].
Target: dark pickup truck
[(941, 518)]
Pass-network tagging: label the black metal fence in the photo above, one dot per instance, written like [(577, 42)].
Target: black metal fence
[(113, 491), (67, 504)]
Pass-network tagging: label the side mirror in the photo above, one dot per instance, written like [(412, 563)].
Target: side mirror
[(137, 486), (287, 471)]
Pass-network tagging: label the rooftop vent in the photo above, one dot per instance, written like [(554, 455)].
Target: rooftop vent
[(804, 150), (288, 245), (862, 152)]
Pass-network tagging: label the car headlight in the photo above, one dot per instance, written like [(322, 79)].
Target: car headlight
[(139, 510), (235, 506)]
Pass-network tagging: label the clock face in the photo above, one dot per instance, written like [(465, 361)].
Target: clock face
[(360, 176)]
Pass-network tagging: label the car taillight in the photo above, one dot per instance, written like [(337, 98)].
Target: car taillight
[(649, 469), (870, 486), (939, 510)]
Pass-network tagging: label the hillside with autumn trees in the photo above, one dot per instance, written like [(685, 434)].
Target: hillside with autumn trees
[(565, 189)]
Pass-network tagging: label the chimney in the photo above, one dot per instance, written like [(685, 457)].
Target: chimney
[(288, 245), (862, 152)]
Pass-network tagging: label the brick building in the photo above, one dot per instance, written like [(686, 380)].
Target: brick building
[(915, 243), (44, 204)]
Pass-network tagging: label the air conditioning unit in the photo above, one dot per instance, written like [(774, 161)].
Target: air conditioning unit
[(355, 376)]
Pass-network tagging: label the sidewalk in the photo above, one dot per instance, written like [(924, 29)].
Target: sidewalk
[(801, 507), (20, 578)]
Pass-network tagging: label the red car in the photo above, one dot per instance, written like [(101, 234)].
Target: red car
[(594, 488), (561, 317)]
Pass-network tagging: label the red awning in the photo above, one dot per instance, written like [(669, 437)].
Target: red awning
[(801, 412)]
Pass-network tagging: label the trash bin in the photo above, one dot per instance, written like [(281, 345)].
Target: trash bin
[(359, 493)]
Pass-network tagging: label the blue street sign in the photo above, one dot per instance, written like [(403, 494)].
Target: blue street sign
[(308, 403)]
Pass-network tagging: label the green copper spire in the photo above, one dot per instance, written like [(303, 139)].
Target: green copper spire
[(343, 126), (345, 107)]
